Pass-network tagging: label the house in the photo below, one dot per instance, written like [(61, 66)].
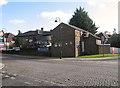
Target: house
[(106, 36), (71, 41), (8, 40), (38, 42), (33, 39)]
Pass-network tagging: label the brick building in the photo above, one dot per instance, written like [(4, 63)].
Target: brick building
[(71, 41), (8, 40), (33, 39), (106, 37), (38, 42)]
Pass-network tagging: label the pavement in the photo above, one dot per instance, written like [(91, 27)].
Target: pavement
[(80, 59), (91, 59), (57, 58), (100, 59)]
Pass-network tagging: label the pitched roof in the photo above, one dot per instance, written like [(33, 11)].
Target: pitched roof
[(79, 29), (28, 33), (7, 34), (34, 33), (105, 35)]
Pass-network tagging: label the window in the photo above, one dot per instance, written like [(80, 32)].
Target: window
[(55, 44), (66, 43), (70, 42)]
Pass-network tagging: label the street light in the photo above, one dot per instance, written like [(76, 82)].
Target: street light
[(58, 20)]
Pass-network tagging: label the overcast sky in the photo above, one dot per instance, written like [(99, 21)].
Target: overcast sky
[(33, 14)]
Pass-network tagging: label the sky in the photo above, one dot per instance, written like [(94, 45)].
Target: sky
[(34, 14)]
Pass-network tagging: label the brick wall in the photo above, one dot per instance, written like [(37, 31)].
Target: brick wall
[(90, 45), (71, 39), (65, 35), (106, 49)]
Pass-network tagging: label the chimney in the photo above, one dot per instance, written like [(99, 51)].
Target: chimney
[(19, 32), (51, 30), (106, 32), (37, 31), (42, 29)]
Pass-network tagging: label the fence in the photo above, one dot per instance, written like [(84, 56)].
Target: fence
[(116, 50)]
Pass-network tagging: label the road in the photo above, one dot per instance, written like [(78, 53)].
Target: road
[(34, 71)]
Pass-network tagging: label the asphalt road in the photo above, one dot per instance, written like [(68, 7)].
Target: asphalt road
[(34, 71)]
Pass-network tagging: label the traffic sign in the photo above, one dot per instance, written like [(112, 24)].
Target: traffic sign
[(102, 38)]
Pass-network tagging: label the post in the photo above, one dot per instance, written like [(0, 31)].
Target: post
[(60, 42), (6, 41), (103, 40), (103, 49)]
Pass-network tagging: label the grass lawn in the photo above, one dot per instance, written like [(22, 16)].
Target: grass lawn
[(99, 55)]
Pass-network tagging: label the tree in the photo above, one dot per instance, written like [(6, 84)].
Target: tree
[(82, 20), (115, 40)]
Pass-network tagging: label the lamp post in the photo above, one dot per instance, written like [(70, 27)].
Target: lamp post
[(60, 32), (57, 19), (5, 37)]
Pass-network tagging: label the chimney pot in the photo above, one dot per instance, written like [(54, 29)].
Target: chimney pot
[(42, 29)]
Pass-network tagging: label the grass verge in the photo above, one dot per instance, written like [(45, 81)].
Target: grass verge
[(99, 56)]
